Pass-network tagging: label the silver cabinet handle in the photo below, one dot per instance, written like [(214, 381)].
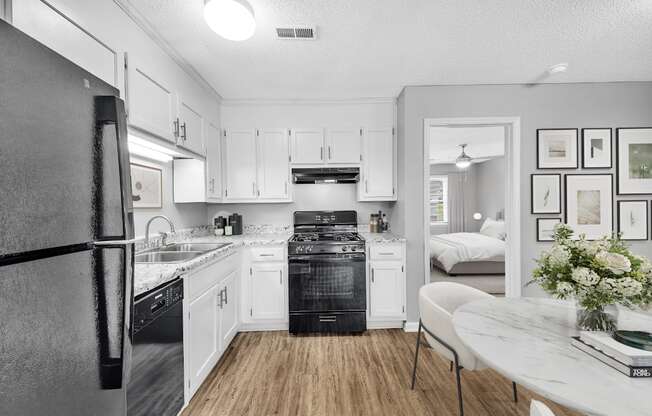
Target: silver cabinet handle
[(366, 186), (221, 304), (286, 187), (321, 153), (253, 188), (175, 123), (266, 255), (183, 128), (329, 153), (386, 254), (281, 276), (372, 275), (226, 295), (327, 318)]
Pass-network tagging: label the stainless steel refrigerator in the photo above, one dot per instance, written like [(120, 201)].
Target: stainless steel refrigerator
[(66, 249)]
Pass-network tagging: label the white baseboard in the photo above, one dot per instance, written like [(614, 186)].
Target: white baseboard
[(384, 324), (263, 326), (411, 326)]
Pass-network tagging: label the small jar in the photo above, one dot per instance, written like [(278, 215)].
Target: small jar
[(228, 230)]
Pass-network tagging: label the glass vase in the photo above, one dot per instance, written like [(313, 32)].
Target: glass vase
[(602, 318)]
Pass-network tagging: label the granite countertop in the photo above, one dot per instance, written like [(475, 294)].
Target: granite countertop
[(381, 238), (147, 276)]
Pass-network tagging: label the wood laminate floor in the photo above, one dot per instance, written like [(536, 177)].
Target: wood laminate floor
[(274, 373)]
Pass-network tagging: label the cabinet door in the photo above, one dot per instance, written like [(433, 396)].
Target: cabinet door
[(203, 337), (229, 312), (378, 164), (60, 32), (239, 147), (307, 146), (191, 128), (386, 289), (267, 291), (344, 145), (273, 164), (151, 102), (213, 164)]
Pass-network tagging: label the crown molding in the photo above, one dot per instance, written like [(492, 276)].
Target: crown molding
[(140, 21), (240, 102)]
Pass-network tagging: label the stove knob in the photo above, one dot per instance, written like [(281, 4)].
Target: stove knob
[(344, 248), (309, 249), (299, 249)]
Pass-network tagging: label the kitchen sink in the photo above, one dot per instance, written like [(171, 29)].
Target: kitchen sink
[(177, 253), (203, 247), (166, 257)]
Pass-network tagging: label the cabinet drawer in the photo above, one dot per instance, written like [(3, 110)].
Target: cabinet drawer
[(200, 281), (274, 253), (392, 251)]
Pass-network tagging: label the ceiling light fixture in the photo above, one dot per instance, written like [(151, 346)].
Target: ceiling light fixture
[(463, 161), (231, 19), (559, 68)]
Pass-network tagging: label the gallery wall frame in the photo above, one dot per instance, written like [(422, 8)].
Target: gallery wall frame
[(586, 135), (558, 148), (535, 206), (625, 138), (542, 225), (580, 210), (633, 232), (146, 186)]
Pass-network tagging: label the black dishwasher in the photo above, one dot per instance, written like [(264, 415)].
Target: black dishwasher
[(156, 385)]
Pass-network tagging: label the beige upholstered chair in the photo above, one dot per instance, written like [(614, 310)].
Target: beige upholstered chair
[(540, 409), (437, 302)]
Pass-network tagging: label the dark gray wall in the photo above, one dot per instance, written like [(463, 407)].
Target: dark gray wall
[(490, 187), (541, 106)]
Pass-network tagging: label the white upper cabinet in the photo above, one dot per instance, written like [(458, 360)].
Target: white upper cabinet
[(191, 127), (40, 20), (378, 170), (273, 164), (151, 101), (343, 145), (307, 146), (239, 155), (213, 164)]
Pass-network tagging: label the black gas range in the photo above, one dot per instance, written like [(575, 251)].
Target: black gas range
[(327, 279)]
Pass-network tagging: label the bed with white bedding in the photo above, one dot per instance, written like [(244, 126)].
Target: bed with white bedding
[(480, 253)]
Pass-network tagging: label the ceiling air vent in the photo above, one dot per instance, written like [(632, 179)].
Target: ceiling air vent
[(297, 33)]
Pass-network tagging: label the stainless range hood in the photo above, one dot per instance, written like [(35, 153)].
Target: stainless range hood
[(326, 175)]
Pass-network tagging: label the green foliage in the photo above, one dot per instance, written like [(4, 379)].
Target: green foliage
[(596, 273)]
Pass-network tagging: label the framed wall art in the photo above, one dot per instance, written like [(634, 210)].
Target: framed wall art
[(146, 186), (632, 220), (589, 204), (546, 193), (596, 148), (545, 228), (634, 171), (557, 149)]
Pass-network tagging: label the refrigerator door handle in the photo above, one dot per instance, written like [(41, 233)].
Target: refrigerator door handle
[(114, 243)]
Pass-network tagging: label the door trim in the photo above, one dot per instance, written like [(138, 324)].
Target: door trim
[(513, 281)]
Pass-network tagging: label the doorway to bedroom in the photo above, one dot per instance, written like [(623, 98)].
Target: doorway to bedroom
[(470, 178)]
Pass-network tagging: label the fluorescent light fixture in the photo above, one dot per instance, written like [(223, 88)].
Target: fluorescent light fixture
[(559, 68), (231, 19), (463, 161), (145, 148), (138, 150)]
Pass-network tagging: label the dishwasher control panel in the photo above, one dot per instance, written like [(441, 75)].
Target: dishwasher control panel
[(150, 305)]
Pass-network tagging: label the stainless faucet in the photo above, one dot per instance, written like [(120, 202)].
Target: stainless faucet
[(162, 234)]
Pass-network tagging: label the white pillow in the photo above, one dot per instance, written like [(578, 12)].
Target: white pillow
[(493, 228)]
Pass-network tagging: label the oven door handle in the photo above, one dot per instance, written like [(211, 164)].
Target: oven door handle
[(325, 259)]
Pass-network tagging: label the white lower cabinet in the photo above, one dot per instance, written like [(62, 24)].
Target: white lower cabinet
[(211, 304), (264, 288), (386, 280)]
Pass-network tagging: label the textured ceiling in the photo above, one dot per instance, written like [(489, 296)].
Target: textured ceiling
[(372, 48)]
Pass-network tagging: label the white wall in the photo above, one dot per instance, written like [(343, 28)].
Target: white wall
[(540, 106), (307, 197), (182, 215)]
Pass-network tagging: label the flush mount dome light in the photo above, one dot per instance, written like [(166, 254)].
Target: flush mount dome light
[(559, 68), (231, 19), (463, 161)]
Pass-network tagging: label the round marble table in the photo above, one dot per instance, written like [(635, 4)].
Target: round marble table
[(528, 341)]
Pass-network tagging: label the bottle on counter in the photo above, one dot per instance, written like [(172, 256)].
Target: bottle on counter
[(385, 227), (219, 224), (373, 223), (228, 229)]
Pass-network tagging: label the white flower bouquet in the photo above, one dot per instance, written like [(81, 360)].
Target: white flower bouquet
[(595, 273)]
